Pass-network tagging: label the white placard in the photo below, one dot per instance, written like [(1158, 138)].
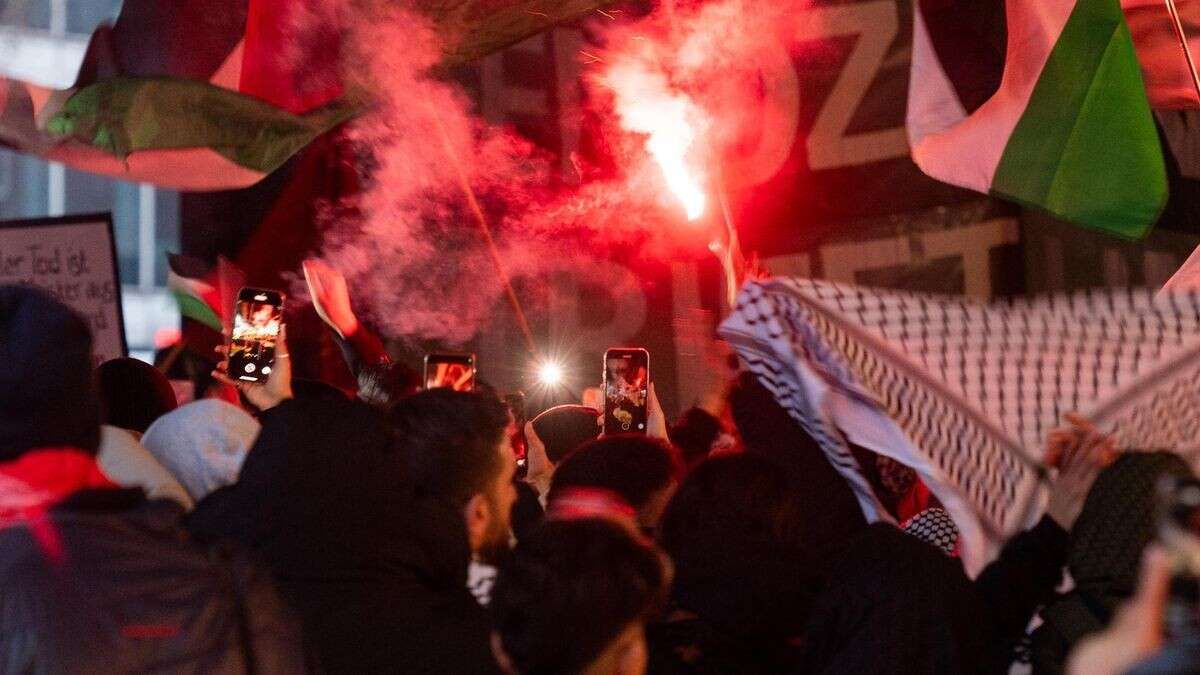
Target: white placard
[(75, 259)]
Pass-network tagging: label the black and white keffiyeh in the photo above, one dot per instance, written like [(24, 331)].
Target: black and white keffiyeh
[(965, 391)]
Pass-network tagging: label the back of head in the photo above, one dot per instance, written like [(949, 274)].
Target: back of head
[(570, 589), (133, 394), (767, 430), (47, 397), (634, 467), (740, 542), (565, 428), (740, 498), (449, 441), (695, 433), (203, 444)]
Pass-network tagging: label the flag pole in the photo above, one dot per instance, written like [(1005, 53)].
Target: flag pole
[(1177, 23)]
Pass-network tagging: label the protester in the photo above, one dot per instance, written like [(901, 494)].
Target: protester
[(915, 606), (1118, 521), (574, 598), (203, 444), (634, 471), (553, 435), (133, 394), (768, 431), (96, 578), (747, 566)]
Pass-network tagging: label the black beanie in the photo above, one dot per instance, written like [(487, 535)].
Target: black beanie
[(47, 398), (133, 394), (564, 428)]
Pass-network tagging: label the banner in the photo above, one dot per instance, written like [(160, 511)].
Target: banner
[(75, 259)]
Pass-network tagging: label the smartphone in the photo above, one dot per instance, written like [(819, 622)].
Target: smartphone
[(626, 390), (456, 371), (257, 318)]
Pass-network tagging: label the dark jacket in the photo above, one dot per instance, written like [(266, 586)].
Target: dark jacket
[(894, 604), (378, 576), (113, 585)]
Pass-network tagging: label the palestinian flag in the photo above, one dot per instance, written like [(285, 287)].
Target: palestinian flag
[(216, 94), (1067, 130), (205, 295)]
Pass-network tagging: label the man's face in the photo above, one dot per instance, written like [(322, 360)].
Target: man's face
[(501, 496)]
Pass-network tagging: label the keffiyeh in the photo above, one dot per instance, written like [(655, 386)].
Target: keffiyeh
[(965, 391)]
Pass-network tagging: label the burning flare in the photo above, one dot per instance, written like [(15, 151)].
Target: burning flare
[(646, 103)]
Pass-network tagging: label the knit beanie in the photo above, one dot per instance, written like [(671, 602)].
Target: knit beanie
[(47, 398), (133, 394), (564, 428)]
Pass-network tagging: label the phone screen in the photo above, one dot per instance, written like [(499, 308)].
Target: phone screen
[(626, 388), (257, 319), (456, 371)]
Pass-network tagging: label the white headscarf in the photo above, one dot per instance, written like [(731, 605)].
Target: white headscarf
[(203, 443)]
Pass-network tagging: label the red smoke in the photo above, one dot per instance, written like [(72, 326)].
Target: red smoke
[(674, 94)]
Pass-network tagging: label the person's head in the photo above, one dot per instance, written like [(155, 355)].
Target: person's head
[(133, 394), (456, 448), (383, 385), (695, 433), (564, 428), (574, 598), (47, 394), (203, 444), (736, 523), (640, 470), (732, 498)]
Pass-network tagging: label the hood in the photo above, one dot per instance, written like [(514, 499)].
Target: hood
[(47, 398), (202, 444)]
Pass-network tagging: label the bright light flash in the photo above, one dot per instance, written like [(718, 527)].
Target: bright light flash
[(550, 374)]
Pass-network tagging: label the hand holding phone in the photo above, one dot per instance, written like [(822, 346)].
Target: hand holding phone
[(262, 395), (626, 390), (257, 320)]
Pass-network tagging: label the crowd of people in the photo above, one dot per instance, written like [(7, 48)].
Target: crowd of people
[(290, 527)]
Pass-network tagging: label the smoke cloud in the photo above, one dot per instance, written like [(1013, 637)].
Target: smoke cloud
[(409, 244)]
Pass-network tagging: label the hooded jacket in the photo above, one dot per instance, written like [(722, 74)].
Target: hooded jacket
[(95, 579), (378, 576)]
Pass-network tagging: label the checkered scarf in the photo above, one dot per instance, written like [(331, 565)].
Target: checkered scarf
[(964, 392)]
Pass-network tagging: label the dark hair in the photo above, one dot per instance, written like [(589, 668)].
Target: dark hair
[(569, 589), (733, 498), (565, 428), (633, 466), (384, 384), (747, 556), (694, 434), (133, 394), (316, 390), (448, 440)]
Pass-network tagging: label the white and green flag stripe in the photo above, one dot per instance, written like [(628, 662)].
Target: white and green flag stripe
[(1069, 131)]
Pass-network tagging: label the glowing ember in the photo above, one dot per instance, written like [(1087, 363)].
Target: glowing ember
[(647, 103)]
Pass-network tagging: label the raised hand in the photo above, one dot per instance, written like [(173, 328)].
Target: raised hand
[(330, 297), (1079, 452), (263, 395)]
